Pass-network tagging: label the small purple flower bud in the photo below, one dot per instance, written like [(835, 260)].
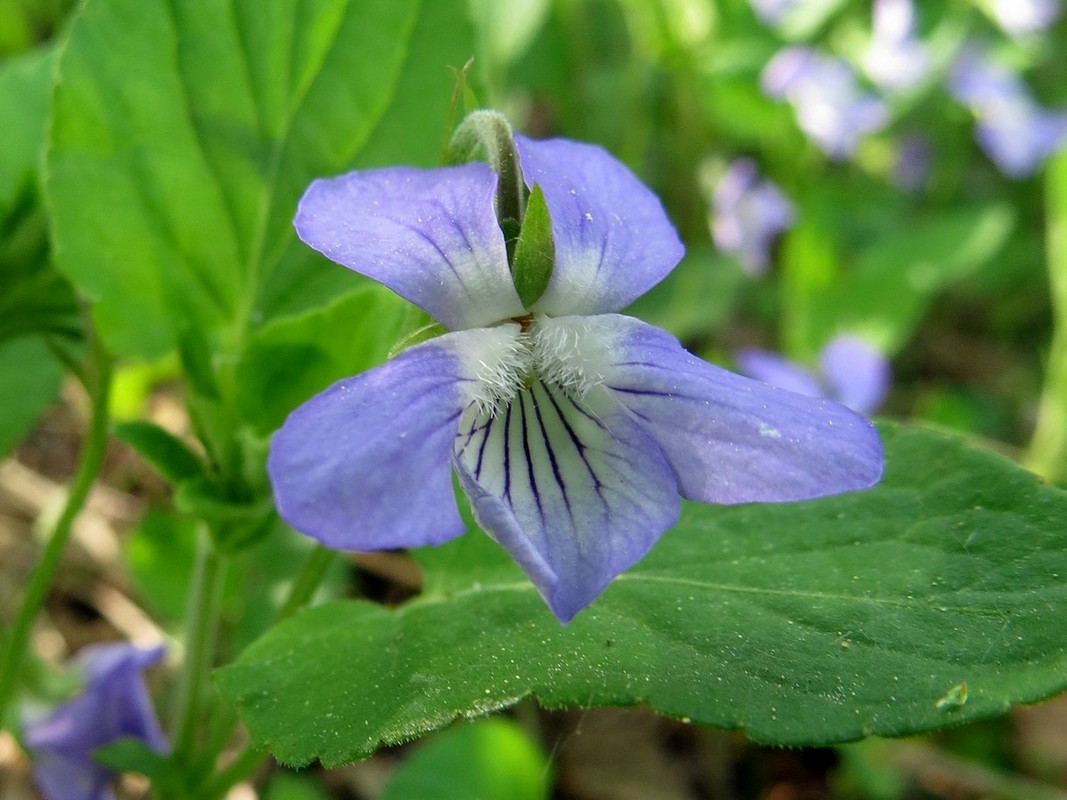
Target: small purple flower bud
[(748, 214), (830, 106), (912, 166), (113, 704)]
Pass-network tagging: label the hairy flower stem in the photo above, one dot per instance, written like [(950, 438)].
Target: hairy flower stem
[(304, 585), (1047, 454), (205, 600), (98, 385)]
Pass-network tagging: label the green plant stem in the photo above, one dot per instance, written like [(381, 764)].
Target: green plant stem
[(98, 385), (205, 600), (307, 581), (304, 585), (1047, 454)]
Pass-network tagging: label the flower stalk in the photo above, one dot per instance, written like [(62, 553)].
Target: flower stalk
[(98, 386)]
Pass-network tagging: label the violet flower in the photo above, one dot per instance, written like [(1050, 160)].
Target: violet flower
[(895, 59), (850, 371), (1022, 17), (772, 12), (1014, 131), (830, 106), (573, 429), (114, 704), (748, 214)]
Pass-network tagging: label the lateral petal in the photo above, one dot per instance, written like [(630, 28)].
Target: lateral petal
[(575, 491), (430, 235), (731, 439), (365, 465), (612, 237)]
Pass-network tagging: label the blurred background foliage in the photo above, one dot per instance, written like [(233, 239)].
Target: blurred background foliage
[(912, 238)]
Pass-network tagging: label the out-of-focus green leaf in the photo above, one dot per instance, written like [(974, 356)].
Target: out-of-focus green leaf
[(29, 380), (173, 183), (807, 623), (163, 450), (491, 759), (34, 298), (895, 280), (291, 359)]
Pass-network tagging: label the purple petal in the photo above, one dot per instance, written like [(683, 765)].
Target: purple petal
[(748, 213), (430, 235), (830, 107), (856, 372), (734, 440), (1018, 138), (776, 370), (365, 464), (1021, 17), (895, 59), (574, 490), (613, 240), (114, 704)]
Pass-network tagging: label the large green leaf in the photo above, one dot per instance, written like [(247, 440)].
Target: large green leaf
[(183, 134), (935, 598), (29, 380), (289, 360), (34, 298)]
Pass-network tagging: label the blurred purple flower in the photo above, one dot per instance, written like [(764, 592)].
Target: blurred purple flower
[(850, 371), (772, 12), (113, 704), (895, 59), (1021, 17), (830, 106), (1014, 131), (748, 214), (573, 429), (912, 166)]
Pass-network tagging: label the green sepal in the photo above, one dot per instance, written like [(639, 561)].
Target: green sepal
[(171, 457), (535, 250), (422, 334), (490, 130)]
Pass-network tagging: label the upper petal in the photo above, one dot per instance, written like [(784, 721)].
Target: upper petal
[(731, 439), (613, 240), (365, 465), (575, 491), (430, 235)]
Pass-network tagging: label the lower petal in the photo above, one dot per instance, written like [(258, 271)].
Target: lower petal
[(730, 439), (576, 492), (365, 465)]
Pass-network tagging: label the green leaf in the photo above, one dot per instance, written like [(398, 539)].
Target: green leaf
[(34, 298), (133, 755), (291, 359), (801, 624), (183, 134), (911, 269), (535, 252), (29, 381), (162, 449), (492, 759)]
